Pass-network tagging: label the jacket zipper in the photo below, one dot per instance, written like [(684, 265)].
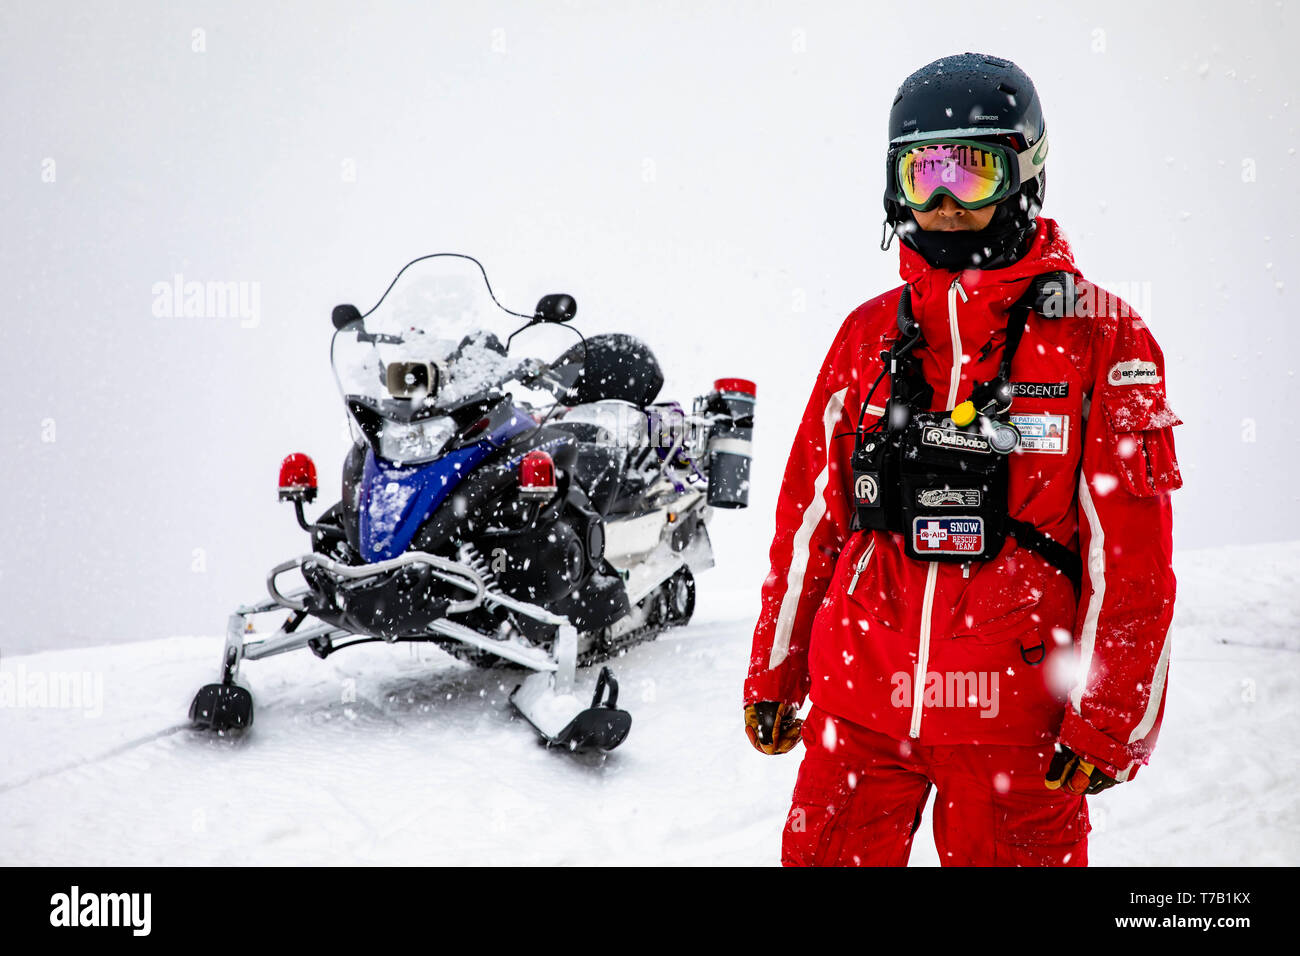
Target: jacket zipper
[(862, 564), (955, 379), (923, 654), (932, 574)]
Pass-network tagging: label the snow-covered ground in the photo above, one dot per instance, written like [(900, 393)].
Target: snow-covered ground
[(427, 765)]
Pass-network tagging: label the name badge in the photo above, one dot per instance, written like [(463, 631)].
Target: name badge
[(1048, 434)]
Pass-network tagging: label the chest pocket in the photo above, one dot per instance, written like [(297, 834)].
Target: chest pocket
[(1140, 431)]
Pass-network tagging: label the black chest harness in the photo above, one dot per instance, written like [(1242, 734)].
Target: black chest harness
[(940, 478)]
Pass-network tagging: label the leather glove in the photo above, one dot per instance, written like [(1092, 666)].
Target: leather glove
[(1071, 772), (772, 727)]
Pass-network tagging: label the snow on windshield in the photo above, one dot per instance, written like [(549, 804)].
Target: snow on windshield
[(440, 311)]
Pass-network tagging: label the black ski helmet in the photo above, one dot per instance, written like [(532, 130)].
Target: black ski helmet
[(984, 98)]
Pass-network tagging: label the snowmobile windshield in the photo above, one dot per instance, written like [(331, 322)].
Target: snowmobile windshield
[(436, 339)]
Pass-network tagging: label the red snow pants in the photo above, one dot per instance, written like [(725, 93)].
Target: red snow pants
[(859, 797)]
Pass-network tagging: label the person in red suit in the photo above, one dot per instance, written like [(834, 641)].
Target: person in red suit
[(983, 607)]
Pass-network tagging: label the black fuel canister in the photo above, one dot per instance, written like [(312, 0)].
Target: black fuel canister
[(731, 438)]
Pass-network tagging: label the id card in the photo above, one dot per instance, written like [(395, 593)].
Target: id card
[(1043, 433)]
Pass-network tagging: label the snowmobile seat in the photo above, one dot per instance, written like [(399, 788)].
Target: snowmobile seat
[(618, 366)]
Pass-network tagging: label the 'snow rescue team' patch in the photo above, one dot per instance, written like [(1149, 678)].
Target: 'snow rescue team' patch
[(1041, 432), (948, 535), (1133, 372)]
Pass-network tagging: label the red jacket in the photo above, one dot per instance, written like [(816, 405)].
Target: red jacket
[(850, 620)]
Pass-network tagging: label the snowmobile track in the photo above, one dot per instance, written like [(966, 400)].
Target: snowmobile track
[(87, 761)]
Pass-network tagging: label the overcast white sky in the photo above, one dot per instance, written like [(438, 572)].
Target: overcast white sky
[(704, 175)]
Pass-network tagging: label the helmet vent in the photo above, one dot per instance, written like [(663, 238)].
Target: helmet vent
[(1008, 89)]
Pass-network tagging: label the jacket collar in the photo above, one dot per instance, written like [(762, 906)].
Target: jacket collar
[(1049, 251)]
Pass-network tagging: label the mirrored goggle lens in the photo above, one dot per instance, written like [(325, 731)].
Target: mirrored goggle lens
[(969, 173)]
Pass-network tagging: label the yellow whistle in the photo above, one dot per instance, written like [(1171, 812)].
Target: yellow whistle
[(963, 414)]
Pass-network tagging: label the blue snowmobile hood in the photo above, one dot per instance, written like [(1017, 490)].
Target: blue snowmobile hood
[(395, 500)]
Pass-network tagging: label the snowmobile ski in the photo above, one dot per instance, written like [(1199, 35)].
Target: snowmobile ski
[(602, 726), (222, 707)]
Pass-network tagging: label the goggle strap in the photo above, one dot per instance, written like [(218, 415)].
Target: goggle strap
[(1028, 168)]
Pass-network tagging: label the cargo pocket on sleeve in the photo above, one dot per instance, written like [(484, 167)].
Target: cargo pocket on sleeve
[(1140, 425)]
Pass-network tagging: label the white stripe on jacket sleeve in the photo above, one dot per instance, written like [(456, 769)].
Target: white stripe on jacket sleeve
[(1088, 636), (1157, 692), (1097, 576), (800, 552)]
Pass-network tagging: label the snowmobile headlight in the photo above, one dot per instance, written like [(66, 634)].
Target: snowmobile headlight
[(424, 440)]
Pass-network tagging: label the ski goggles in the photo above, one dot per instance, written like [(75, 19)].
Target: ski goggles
[(974, 173)]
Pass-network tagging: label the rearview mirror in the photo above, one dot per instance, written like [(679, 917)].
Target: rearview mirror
[(345, 315), (557, 307)]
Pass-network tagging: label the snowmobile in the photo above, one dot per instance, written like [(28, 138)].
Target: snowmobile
[(516, 512)]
